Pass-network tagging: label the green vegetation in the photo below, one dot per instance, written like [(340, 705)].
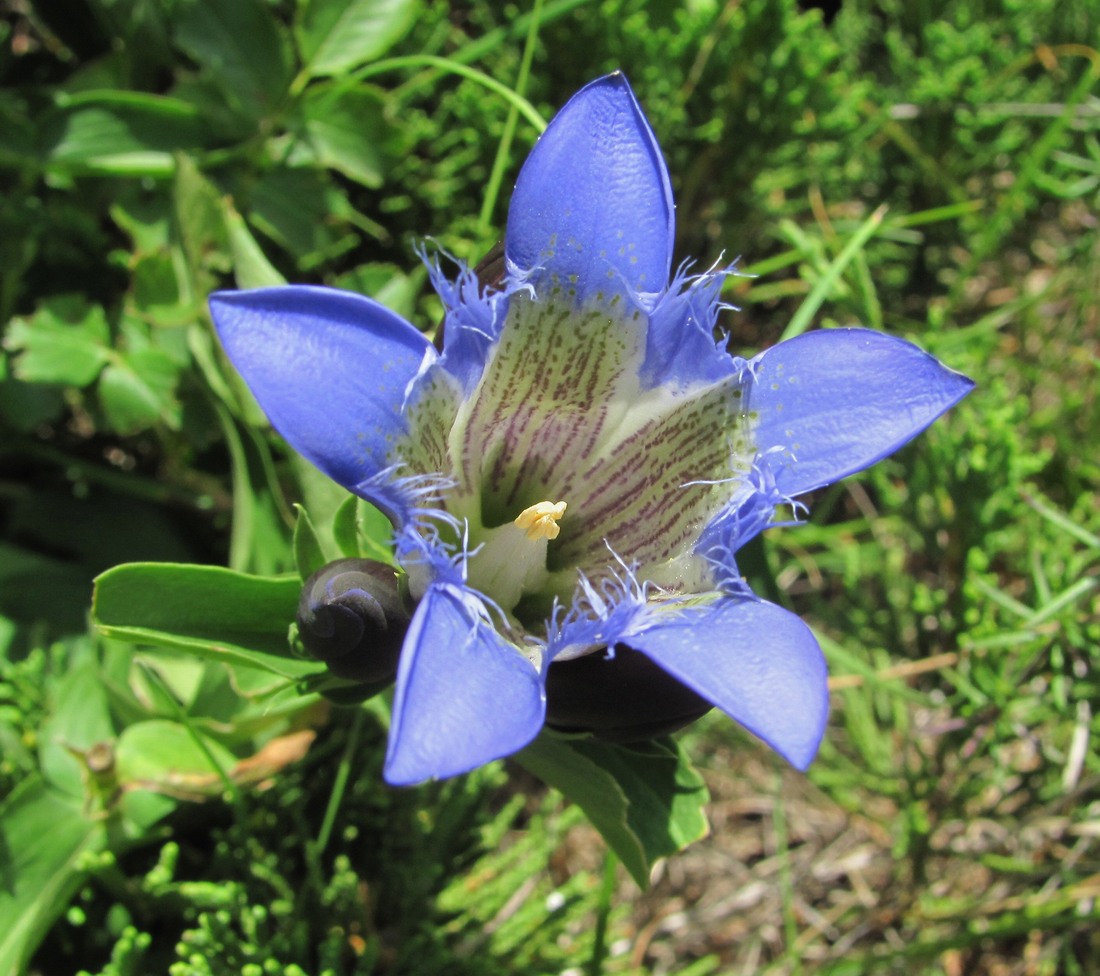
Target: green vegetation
[(165, 813)]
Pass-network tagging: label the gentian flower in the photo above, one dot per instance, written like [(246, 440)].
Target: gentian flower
[(572, 475)]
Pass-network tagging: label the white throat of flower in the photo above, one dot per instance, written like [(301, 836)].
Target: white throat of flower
[(511, 559)]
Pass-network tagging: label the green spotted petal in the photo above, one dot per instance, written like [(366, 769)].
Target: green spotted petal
[(556, 387), (656, 482), (430, 414)]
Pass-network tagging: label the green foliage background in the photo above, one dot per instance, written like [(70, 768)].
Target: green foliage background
[(161, 813)]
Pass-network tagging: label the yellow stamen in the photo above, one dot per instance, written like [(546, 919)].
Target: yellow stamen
[(541, 520)]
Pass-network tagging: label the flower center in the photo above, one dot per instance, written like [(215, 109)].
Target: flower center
[(509, 562), (541, 520)]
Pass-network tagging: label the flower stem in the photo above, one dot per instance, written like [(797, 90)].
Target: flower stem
[(339, 785)]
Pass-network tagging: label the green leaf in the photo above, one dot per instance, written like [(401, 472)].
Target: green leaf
[(335, 36), (345, 527), (308, 552), (240, 47), (645, 799), (155, 290), (344, 129), (162, 754), (43, 834), (80, 718), (137, 391), (375, 533), (120, 134), (213, 612), (200, 221), (250, 265), (65, 341), (302, 212), (360, 529), (387, 284)]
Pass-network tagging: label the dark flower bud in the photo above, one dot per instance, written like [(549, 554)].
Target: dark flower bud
[(351, 616), (622, 698)]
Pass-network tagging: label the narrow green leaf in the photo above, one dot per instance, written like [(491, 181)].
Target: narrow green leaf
[(43, 834), (345, 527), (375, 533), (198, 211), (801, 319), (100, 133), (335, 36), (213, 612), (644, 799), (308, 552), (250, 265)]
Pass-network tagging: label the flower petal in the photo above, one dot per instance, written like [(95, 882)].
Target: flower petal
[(758, 663), (680, 347), (464, 696), (329, 368), (593, 199), (838, 400)]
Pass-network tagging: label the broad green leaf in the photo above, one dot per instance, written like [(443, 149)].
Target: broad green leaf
[(645, 799), (213, 612), (302, 212), (335, 36), (240, 47), (144, 217), (43, 834), (344, 129), (155, 292), (164, 756), (64, 342), (137, 391), (120, 134), (80, 718)]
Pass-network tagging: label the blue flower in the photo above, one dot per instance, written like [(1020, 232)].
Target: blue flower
[(575, 471)]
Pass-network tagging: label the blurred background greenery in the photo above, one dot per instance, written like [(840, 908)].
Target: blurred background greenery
[(158, 814)]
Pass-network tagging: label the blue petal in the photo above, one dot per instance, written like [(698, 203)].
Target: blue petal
[(329, 368), (464, 696), (758, 663), (836, 401), (745, 518), (472, 323), (593, 199), (680, 345)]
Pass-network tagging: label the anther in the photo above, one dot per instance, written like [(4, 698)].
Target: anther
[(541, 520)]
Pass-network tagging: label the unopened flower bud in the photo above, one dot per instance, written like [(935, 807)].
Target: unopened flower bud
[(619, 698), (352, 617)]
